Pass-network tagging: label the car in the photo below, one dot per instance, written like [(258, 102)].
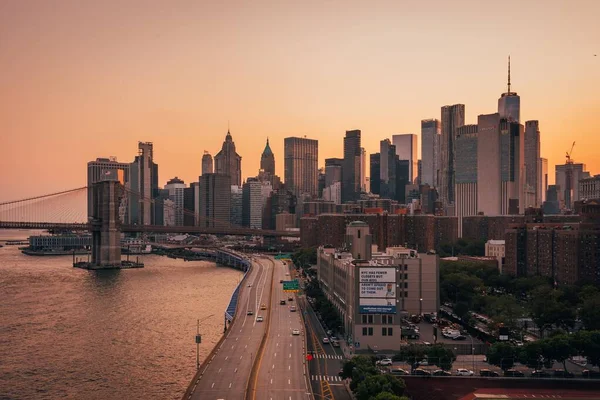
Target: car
[(290, 298), (399, 371), (587, 373), (441, 372), (282, 302), (460, 337), (385, 362), (249, 285), (287, 274), (281, 281), (540, 374), (293, 309), (560, 373), (296, 332), (464, 372), (513, 373), (488, 373), (421, 372), (263, 307), (250, 312), (335, 343), (259, 319), (325, 340)]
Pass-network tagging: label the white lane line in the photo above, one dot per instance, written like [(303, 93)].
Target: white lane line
[(275, 355), (235, 370), (241, 357), (290, 345), (290, 355), (245, 346), (273, 366), (289, 381), (230, 385), (237, 338), (226, 358), (213, 385), (289, 367), (232, 346), (277, 344), (271, 381), (219, 370)]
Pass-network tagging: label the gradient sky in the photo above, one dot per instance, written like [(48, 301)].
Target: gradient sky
[(86, 79)]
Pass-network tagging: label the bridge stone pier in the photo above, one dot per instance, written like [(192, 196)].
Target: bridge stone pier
[(105, 224)]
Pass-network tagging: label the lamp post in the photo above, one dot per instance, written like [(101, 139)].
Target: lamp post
[(472, 352), (421, 306), (199, 340)]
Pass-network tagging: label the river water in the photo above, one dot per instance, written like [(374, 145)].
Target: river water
[(77, 334)]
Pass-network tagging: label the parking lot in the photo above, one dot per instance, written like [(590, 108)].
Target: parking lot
[(426, 335)]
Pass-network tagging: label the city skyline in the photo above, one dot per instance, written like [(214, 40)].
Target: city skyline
[(78, 92)]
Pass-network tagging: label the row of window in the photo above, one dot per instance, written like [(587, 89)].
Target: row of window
[(385, 319), (368, 331)]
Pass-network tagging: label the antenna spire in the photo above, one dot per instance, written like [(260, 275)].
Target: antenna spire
[(509, 74)]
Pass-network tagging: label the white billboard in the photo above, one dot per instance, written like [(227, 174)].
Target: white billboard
[(379, 275), (377, 306), (375, 289)]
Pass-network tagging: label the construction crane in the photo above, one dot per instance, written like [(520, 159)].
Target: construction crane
[(569, 159)]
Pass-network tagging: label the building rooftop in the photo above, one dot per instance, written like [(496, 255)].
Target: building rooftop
[(496, 242), (358, 223)]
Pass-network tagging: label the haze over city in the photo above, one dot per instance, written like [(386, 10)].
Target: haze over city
[(90, 79)]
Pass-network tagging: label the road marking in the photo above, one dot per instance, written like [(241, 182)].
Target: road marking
[(289, 381), (219, 370), (289, 367), (271, 381), (213, 385), (232, 345), (277, 344), (237, 338), (229, 385), (245, 347), (241, 357), (235, 370), (275, 355), (290, 355), (273, 366), (290, 345)]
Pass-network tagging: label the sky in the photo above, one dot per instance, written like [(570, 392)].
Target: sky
[(87, 79)]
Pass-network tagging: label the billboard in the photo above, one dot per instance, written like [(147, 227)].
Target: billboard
[(385, 290), (380, 275), (377, 306)]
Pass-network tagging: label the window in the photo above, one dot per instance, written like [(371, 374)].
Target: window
[(370, 331), (405, 285), (383, 331), (359, 233), (390, 331), (387, 319), (364, 331), (370, 319)]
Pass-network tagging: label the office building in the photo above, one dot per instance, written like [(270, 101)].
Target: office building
[(159, 206), (252, 204), (267, 160), (406, 149), (333, 170), (373, 291), (189, 204), (500, 166), (551, 204), (363, 171), (402, 179), (387, 170), (375, 173), (99, 168), (496, 249), (542, 179), (301, 156), (351, 167), (279, 202), (509, 103), (333, 193), (215, 201), (567, 181), (533, 174), (589, 188), (169, 213), (465, 173), (207, 163), (236, 214), (176, 189), (431, 134), (228, 162), (285, 221), (143, 185), (452, 118)]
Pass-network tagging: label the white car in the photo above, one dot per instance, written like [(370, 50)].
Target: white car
[(385, 362), (259, 318), (296, 332), (325, 340), (464, 372)]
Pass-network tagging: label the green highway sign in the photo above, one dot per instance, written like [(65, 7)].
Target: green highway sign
[(291, 286)]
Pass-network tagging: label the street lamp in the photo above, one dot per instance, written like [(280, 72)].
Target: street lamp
[(199, 340), (421, 306), (472, 352)]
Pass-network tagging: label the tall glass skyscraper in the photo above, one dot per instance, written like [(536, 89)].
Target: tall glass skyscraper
[(431, 133), (452, 117), (301, 156), (509, 103)]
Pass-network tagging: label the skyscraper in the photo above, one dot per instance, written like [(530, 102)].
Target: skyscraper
[(333, 170), (176, 189), (452, 117), (431, 133), (388, 170), (267, 160), (301, 156), (509, 103), (542, 178), (532, 162), (567, 177), (228, 162), (143, 185), (236, 206), (214, 201), (252, 204), (375, 173), (207, 163), (351, 167), (363, 171), (95, 171), (466, 173), (406, 149)]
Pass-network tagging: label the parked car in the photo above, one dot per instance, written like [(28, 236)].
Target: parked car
[(399, 371), (488, 373), (464, 372), (588, 373), (385, 362), (561, 373), (441, 372), (513, 373), (421, 372), (540, 374)]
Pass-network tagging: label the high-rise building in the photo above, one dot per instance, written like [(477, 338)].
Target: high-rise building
[(567, 182), (207, 163), (375, 173), (279, 202), (267, 160), (402, 179), (176, 189), (351, 167), (406, 149), (388, 170), (452, 117), (363, 171), (97, 169), (169, 211), (465, 186), (333, 170), (252, 204), (143, 173), (431, 134), (215, 201), (500, 166), (589, 188), (532, 162), (301, 156), (228, 162), (542, 178), (189, 204), (236, 213), (509, 103)]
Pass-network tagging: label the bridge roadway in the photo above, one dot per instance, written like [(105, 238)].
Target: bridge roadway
[(226, 376), (281, 368)]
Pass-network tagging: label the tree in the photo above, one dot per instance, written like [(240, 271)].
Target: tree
[(587, 343), (504, 309), (412, 354), (388, 396), (441, 356), (502, 354), (590, 313), (531, 356), (375, 384), (358, 368), (548, 311), (461, 309), (558, 348)]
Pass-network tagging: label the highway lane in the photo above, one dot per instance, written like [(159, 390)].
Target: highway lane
[(281, 369), (226, 375), (325, 367)]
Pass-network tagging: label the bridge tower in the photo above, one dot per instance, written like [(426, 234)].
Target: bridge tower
[(105, 223)]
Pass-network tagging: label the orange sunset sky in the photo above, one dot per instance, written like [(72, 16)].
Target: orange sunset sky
[(83, 79)]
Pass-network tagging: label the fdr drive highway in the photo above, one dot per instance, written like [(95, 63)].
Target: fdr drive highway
[(260, 356)]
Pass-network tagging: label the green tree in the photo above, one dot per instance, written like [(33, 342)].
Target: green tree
[(558, 348), (504, 309), (590, 313), (502, 354), (461, 309), (587, 344), (547, 310), (531, 355), (388, 396), (412, 354), (372, 385), (441, 356)]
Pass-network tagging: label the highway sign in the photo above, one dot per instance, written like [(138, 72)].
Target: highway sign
[(291, 286)]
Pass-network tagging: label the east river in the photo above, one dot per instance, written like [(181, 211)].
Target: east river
[(77, 334)]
